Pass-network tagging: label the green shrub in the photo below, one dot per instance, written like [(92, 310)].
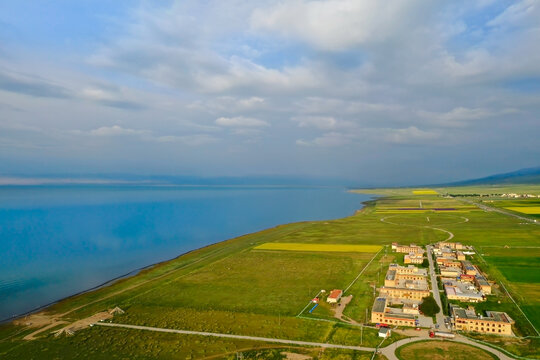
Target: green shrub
[(429, 306)]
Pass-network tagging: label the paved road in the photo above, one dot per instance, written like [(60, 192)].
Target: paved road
[(501, 211), (388, 351), (435, 288)]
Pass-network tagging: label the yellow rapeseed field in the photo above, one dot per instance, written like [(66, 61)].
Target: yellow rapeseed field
[(319, 247), (425, 192), (525, 209)]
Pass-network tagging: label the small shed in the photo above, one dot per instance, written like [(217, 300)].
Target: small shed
[(384, 332)]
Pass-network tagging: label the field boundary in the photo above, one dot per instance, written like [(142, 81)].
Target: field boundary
[(364, 269)]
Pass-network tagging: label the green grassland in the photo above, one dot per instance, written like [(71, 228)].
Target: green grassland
[(233, 287), (441, 350)]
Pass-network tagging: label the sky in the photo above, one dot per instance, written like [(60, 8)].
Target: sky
[(376, 92)]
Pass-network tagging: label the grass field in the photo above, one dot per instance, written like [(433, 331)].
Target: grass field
[(442, 350), (319, 247), (242, 286)]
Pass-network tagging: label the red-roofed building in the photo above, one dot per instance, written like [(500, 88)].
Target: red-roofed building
[(334, 296), (468, 278)]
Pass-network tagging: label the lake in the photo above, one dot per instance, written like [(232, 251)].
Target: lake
[(56, 241)]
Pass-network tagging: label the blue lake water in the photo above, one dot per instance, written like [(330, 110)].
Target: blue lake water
[(57, 241)]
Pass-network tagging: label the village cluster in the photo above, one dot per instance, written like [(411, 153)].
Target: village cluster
[(464, 282), (406, 287)]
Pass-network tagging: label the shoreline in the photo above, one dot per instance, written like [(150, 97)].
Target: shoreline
[(135, 272)]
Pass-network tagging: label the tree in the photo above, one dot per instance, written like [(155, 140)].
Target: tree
[(429, 306)]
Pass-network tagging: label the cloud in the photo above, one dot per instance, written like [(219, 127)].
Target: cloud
[(191, 140), (31, 85), (320, 122), (114, 130), (331, 139), (110, 96), (240, 121), (337, 25), (410, 135), (148, 136), (457, 117), (366, 78), (521, 13)]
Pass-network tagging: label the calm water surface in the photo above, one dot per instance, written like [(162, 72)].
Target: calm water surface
[(57, 241)]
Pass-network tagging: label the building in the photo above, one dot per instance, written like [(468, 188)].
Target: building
[(382, 314), (457, 290), (390, 278), (384, 332), (441, 261), (496, 323), (394, 276), (467, 278), (405, 283), (404, 293), (413, 258), (451, 272), (451, 245), (460, 255), (483, 284), (468, 268), (409, 308), (410, 269), (334, 296), (412, 248)]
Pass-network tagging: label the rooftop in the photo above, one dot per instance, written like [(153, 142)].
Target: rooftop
[(460, 289), (379, 305), (334, 294), (481, 280), (461, 313)]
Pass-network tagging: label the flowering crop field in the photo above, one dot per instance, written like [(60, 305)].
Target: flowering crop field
[(425, 192), (525, 209)]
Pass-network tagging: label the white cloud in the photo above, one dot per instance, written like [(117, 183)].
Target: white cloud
[(457, 117), (240, 121), (520, 13), (339, 24), (145, 135), (410, 135), (114, 130), (191, 140), (320, 122), (331, 139)]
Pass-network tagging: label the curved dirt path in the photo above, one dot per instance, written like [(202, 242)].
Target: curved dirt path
[(450, 234)]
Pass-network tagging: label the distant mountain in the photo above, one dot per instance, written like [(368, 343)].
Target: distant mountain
[(522, 176)]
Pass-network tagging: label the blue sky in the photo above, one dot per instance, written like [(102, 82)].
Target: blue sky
[(374, 92)]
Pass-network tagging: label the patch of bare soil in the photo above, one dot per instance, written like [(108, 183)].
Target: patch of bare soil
[(296, 356)]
